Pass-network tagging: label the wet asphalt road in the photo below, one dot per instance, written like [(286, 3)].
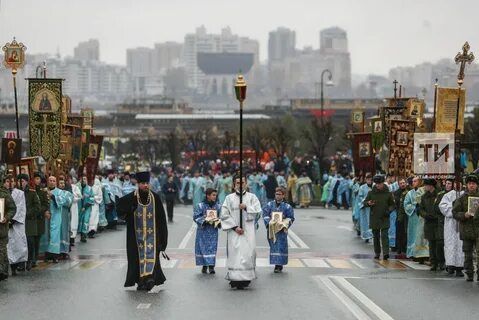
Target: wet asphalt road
[(331, 276)]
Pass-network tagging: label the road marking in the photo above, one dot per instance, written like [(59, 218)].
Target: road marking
[(291, 243), (187, 237), (415, 265), (350, 304), (144, 306), (345, 228), (392, 264), (65, 266), (295, 263), (169, 264), (298, 240), (340, 264), (368, 303), (357, 264), (316, 263)]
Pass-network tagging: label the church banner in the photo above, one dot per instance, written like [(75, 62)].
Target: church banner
[(388, 114), (93, 157), (45, 117), (11, 150), (357, 120), (377, 128), (446, 110), (401, 147), (363, 154)]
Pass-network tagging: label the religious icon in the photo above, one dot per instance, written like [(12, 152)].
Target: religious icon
[(11, 150), (401, 138), (472, 205), (14, 56), (23, 169), (211, 215), (364, 149), (357, 116), (45, 102), (277, 217), (378, 127), (2, 209), (93, 150)]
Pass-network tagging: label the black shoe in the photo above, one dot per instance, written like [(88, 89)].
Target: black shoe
[(204, 269), (450, 270), (21, 267), (55, 260), (469, 277), (376, 257), (441, 267), (150, 283), (72, 242), (91, 234), (433, 268), (3, 276), (29, 265), (211, 269), (277, 269), (14, 270), (386, 257), (459, 273), (367, 240), (141, 287), (83, 238)]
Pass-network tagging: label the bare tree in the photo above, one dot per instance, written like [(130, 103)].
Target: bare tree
[(318, 134)]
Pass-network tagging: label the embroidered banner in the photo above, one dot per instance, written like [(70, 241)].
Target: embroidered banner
[(401, 147), (45, 117), (447, 109), (363, 155)]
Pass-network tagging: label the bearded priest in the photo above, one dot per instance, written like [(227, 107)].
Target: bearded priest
[(146, 234)]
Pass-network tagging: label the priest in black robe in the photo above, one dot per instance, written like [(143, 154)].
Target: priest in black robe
[(146, 234)]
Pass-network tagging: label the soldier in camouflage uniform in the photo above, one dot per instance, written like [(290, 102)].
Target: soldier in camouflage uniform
[(468, 225), (9, 212)]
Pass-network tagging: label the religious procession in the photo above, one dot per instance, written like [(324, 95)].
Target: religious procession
[(238, 211)]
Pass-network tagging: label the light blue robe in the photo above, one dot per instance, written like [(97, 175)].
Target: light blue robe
[(113, 191), (255, 184), (281, 181), (85, 206), (56, 208), (278, 254), (364, 212), (128, 188), (392, 219), (102, 221), (206, 243), (197, 189), (224, 188), (355, 204), (185, 182), (417, 246), (66, 222)]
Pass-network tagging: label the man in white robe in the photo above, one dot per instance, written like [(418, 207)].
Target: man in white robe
[(452, 243), (95, 210), (17, 247), (74, 210), (241, 241)]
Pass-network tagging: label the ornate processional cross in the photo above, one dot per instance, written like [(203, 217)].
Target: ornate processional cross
[(463, 58)]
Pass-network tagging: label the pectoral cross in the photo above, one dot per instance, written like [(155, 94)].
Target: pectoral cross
[(463, 58), (395, 82)]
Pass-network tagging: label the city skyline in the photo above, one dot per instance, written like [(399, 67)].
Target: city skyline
[(366, 39)]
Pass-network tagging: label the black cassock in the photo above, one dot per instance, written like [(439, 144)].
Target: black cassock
[(127, 208)]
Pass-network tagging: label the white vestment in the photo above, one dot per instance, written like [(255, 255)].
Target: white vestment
[(452, 242), (17, 248), (95, 210), (77, 195), (241, 249)]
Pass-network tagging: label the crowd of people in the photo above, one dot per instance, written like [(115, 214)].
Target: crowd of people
[(425, 220)]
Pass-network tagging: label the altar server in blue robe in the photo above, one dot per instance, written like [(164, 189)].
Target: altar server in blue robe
[(206, 215), (277, 229), (364, 211)]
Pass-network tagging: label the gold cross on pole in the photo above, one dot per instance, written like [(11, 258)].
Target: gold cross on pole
[(463, 58)]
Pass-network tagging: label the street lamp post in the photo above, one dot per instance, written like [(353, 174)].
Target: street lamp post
[(329, 84), (240, 90)]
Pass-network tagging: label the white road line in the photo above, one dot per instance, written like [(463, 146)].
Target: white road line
[(291, 243), (316, 263), (298, 240), (144, 306), (415, 265), (350, 304), (345, 228), (368, 303), (187, 237), (357, 264)]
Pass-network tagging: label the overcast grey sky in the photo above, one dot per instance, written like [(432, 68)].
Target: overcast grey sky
[(382, 33)]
